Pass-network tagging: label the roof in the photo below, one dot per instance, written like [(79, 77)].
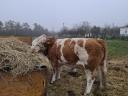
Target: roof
[(126, 26)]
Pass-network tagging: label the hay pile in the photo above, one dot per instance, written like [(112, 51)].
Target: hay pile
[(16, 57)]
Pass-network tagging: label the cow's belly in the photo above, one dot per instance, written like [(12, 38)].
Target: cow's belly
[(78, 56), (69, 60), (82, 55), (69, 57)]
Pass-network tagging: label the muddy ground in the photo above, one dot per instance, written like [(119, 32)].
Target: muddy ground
[(117, 82)]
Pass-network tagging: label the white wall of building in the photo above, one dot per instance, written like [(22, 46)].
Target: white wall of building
[(124, 31)]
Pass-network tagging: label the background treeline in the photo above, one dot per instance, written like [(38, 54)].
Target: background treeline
[(82, 30), (22, 29), (86, 30)]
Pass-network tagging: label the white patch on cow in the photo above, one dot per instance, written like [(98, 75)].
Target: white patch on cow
[(76, 39), (89, 82), (59, 72), (61, 50), (58, 42), (59, 62), (84, 42), (81, 53), (37, 42), (35, 49), (39, 39), (74, 70), (61, 43), (105, 66), (53, 77)]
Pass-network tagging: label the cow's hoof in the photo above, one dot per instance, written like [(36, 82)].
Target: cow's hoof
[(52, 82), (88, 94), (74, 74), (71, 93), (98, 92)]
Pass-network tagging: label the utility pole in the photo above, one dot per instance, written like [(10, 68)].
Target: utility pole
[(63, 25)]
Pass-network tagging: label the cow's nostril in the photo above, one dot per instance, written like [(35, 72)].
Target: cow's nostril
[(43, 67), (32, 50)]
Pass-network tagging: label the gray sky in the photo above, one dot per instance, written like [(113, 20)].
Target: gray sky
[(52, 13)]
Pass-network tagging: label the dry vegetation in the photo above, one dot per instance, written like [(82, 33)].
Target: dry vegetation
[(17, 58)]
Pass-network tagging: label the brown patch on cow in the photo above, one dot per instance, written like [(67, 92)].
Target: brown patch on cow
[(54, 54), (50, 41), (95, 52), (72, 44), (68, 52), (80, 42)]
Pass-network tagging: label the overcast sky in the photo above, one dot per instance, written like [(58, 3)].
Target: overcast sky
[(52, 13)]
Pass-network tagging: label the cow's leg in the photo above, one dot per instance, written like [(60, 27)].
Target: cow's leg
[(104, 72), (55, 71), (59, 70), (90, 80), (74, 70), (100, 78), (56, 74), (53, 76)]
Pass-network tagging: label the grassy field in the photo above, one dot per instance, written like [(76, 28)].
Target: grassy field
[(117, 49)]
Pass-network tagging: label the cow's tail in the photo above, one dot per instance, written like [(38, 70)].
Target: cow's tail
[(104, 61)]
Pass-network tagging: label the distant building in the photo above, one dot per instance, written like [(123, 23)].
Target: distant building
[(88, 35), (124, 31)]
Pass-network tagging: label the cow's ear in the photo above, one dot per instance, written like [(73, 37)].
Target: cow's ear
[(44, 35), (50, 40), (42, 38)]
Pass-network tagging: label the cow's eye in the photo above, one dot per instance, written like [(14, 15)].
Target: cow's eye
[(38, 45)]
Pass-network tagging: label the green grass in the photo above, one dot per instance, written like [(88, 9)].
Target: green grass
[(117, 49)]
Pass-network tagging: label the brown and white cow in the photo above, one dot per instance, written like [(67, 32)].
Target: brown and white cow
[(87, 52)]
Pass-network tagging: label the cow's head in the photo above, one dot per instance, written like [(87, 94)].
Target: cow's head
[(42, 43)]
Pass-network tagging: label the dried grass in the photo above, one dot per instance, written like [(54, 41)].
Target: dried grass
[(16, 57)]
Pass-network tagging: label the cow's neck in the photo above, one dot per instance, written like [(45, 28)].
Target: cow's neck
[(48, 48)]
